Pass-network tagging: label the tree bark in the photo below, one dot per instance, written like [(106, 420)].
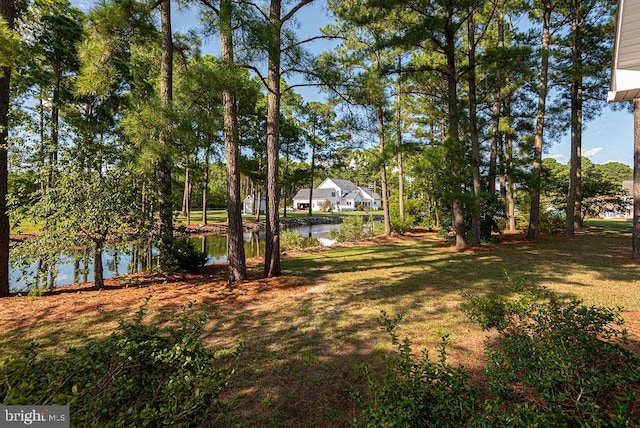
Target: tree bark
[(383, 174), (453, 136), (185, 192), (495, 115), (313, 165), (272, 235), (205, 186), (98, 269), (475, 135), (636, 180), (574, 198), (7, 11), (165, 202), (534, 214), (235, 240), (399, 139)]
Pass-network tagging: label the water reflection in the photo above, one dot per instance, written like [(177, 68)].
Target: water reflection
[(135, 258)]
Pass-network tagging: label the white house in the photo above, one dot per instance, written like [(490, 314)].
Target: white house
[(249, 206), (625, 86), (337, 195)]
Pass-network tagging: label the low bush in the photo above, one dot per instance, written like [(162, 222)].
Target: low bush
[(141, 375), (352, 229), (416, 391), (184, 256), (293, 240), (555, 363)]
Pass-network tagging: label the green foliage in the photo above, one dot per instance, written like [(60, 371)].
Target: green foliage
[(416, 391), (184, 256), (9, 45), (555, 363), (550, 222), (352, 229), (293, 240), (399, 225), (141, 375)]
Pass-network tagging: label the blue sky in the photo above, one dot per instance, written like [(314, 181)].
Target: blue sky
[(609, 137)]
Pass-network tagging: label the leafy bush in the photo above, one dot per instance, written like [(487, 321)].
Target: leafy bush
[(549, 222), (184, 256), (293, 240), (555, 363), (352, 229), (416, 391), (141, 375), (398, 225)]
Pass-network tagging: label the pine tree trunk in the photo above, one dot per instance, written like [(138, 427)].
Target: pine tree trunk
[(399, 139), (636, 180), (7, 11), (272, 235), (495, 115), (165, 203), (475, 135), (257, 204), (98, 269), (453, 136), (574, 198), (383, 174), (534, 214), (235, 240), (205, 187), (185, 192), (313, 166)]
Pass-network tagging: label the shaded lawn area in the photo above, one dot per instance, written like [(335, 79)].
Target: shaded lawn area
[(305, 334)]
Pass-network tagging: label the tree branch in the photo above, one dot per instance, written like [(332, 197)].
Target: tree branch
[(295, 9), (255, 6), (211, 6), (255, 70), (311, 39)]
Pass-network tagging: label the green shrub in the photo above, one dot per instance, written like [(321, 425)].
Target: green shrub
[(353, 229), (555, 363), (549, 222), (141, 375), (416, 391), (184, 256), (293, 240)]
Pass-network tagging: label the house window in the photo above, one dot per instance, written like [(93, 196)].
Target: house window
[(333, 194)]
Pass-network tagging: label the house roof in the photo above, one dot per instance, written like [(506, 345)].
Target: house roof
[(351, 196), (368, 193), (625, 67), (318, 194), (342, 184)]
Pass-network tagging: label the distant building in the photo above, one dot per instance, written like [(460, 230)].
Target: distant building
[(337, 195), (249, 205)]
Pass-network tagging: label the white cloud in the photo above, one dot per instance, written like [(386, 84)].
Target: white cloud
[(592, 152), (557, 157)]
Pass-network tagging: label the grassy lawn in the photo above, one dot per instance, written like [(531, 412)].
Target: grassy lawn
[(302, 346)]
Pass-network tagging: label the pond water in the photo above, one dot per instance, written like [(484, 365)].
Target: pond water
[(139, 258)]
